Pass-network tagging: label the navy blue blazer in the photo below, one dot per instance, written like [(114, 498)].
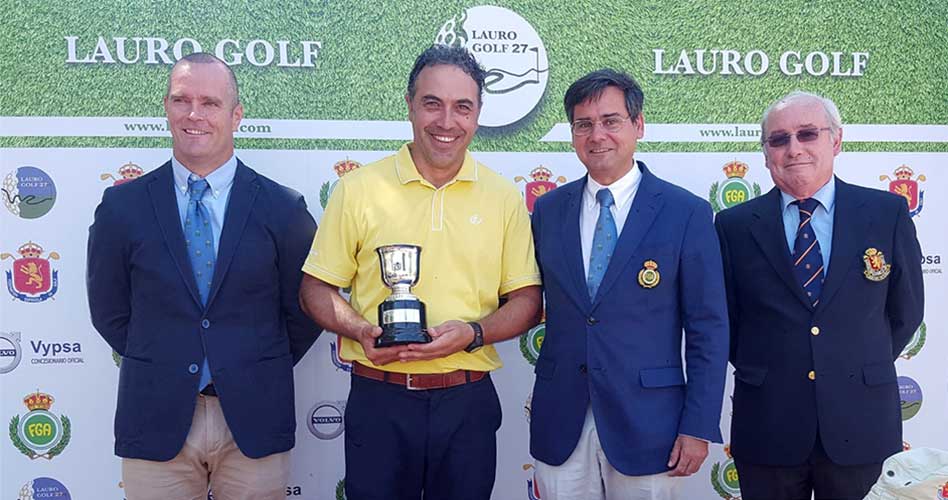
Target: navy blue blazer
[(622, 352), (849, 341), (145, 304)]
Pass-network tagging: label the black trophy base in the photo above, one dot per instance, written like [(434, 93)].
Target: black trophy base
[(402, 327)]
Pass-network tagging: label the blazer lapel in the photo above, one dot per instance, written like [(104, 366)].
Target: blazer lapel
[(572, 244), (242, 195), (850, 224), (161, 190), (769, 234), (642, 213)]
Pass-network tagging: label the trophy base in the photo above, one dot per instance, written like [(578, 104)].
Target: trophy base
[(403, 322)]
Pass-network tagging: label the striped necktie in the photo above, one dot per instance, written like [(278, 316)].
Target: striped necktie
[(807, 257)]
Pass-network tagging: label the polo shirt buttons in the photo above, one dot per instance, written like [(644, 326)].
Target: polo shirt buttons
[(193, 368), (206, 324)]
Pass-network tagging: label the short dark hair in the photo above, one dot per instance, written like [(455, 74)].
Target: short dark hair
[(592, 86), (454, 56), (206, 58)]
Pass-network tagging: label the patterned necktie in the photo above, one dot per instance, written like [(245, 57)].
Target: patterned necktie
[(200, 241), (604, 242), (807, 257)]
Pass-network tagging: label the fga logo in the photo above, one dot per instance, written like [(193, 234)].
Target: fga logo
[(512, 53), (531, 342), (724, 478), (9, 351), (40, 433), (341, 168), (44, 488), (341, 489), (326, 419), (910, 396), (539, 186), (734, 190), (906, 187), (32, 278), (915, 343), (127, 173), (28, 192)]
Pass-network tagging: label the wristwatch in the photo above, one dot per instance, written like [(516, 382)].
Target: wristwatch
[(478, 341)]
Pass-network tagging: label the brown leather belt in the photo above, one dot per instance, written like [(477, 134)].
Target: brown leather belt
[(419, 381)]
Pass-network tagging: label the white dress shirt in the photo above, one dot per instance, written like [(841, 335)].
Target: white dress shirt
[(623, 192)]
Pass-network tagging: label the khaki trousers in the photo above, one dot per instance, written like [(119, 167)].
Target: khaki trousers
[(209, 459)]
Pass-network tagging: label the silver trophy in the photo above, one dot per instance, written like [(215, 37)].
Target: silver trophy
[(401, 314)]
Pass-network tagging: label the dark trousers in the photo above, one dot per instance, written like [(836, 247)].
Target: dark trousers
[(818, 476), (437, 444)]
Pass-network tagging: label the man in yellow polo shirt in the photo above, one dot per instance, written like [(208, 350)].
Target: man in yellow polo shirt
[(421, 419)]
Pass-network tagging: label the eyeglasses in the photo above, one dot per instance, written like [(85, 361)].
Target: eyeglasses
[(610, 124), (780, 140)]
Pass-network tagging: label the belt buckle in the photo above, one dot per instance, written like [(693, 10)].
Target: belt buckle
[(408, 383)]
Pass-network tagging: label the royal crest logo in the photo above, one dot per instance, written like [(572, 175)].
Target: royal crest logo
[(32, 278), (734, 190), (910, 397), (531, 342), (127, 173), (533, 490), (40, 433), (907, 187), (340, 363), (341, 168), (28, 192), (10, 351), (513, 55), (914, 345), (724, 478), (43, 488), (341, 489), (539, 186)]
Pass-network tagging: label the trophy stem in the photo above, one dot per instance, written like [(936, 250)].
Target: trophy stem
[(401, 291)]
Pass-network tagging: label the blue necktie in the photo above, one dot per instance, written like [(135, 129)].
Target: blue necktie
[(604, 242), (807, 257), (200, 241)]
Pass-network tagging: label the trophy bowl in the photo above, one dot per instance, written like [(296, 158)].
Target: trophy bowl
[(401, 315)]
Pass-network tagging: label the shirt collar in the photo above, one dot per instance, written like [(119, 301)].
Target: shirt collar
[(407, 171), (622, 189), (826, 195), (219, 180)]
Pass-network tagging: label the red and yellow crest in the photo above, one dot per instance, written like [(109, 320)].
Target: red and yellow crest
[(32, 278), (539, 186), (907, 187), (876, 267), (127, 173)]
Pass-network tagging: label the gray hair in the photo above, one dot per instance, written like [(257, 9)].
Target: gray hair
[(832, 112)]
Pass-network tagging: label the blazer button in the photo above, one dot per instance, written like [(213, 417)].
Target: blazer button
[(193, 368), (591, 320), (206, 323), (811, 375), (815, 330), (582, 368)]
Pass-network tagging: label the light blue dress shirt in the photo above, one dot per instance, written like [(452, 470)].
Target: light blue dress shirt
[(822, 221), (220, 182)]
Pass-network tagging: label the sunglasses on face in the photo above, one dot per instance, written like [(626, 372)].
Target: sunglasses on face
[(781, 139)]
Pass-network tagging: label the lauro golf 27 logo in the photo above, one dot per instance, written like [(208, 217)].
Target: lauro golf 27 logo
[(512, 53)]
